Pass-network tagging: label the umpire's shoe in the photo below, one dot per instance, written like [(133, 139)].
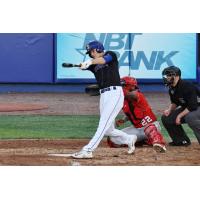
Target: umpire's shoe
[(131, 145), (82, 154), (182, 143)]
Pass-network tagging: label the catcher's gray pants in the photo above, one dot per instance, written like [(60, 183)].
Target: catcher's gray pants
[(139, 132), (176, 132)]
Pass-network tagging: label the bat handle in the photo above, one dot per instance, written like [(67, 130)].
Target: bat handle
[(70, 65), (77, 65)]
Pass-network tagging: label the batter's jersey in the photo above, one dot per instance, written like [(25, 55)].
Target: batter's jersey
[(139, 112), (107, 74)]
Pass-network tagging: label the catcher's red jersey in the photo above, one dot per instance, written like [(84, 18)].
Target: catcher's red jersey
[(139, 112)]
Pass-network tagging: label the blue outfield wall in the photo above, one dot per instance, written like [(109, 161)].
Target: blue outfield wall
[(27, 64), (26, 58)]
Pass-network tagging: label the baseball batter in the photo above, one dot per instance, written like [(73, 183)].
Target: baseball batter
[(138, 111), (104, 66)]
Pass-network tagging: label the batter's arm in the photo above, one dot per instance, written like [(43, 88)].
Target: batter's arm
[(98, 61), (102, 60)]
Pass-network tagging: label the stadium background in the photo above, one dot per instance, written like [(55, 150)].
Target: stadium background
[(70, 117), (28, 64)]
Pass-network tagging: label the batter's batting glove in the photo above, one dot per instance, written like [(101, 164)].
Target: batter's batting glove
[(86, 64), (119, 122)]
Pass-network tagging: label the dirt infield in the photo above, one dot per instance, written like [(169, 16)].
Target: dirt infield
[(12, 107), (35, 152), (70, 103)]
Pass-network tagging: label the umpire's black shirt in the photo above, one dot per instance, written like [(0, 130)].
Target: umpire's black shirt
[(107, 74), (184, 94)]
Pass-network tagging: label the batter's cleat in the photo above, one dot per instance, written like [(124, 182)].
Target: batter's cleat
[(131, 146), (82, 155), (160, 148)]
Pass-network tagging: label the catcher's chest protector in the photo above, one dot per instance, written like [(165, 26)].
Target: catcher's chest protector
[(139, 112)]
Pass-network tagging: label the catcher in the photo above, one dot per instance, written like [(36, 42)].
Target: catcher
[(137, 110)]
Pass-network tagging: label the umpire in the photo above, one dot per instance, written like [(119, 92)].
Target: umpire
[(184, 107)]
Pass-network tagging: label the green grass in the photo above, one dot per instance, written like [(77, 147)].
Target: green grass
[(54, 127)]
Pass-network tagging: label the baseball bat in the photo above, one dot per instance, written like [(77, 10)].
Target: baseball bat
[(70, 65)]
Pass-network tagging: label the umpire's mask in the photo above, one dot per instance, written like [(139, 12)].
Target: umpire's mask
[(169, 75)]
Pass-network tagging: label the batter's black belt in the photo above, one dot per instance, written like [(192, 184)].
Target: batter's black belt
[(108, 89)]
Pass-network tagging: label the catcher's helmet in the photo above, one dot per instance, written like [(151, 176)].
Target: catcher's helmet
[(94, 45), (171, 72), (129, 81)]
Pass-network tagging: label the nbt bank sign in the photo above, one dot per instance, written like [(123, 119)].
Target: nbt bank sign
[(140, 55), (132, 53)]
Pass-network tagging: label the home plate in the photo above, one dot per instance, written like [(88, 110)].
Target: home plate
[(62, 155)]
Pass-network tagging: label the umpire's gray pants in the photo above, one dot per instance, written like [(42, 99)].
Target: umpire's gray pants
[(193, 120), (177, 132)]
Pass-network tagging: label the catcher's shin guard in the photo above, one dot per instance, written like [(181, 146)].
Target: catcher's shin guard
[(155, 138), (111, 144)]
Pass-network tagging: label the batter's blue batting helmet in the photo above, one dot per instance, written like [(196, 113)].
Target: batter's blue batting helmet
[(94, 45)]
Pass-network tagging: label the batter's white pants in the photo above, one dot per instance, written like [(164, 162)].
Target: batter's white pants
[(139, 132), (111, 103)]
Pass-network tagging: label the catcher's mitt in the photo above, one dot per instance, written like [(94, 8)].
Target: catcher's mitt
[(92, 90)]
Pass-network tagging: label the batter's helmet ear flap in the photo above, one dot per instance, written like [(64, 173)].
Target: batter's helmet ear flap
[(98, 51), (100, 48)]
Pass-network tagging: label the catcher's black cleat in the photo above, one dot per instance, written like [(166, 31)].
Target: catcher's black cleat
[(183, 143)]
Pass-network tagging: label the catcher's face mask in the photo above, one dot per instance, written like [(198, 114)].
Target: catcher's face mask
[(129, 83)]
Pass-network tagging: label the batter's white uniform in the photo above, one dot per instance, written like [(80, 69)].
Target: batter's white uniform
[(111, 102)]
